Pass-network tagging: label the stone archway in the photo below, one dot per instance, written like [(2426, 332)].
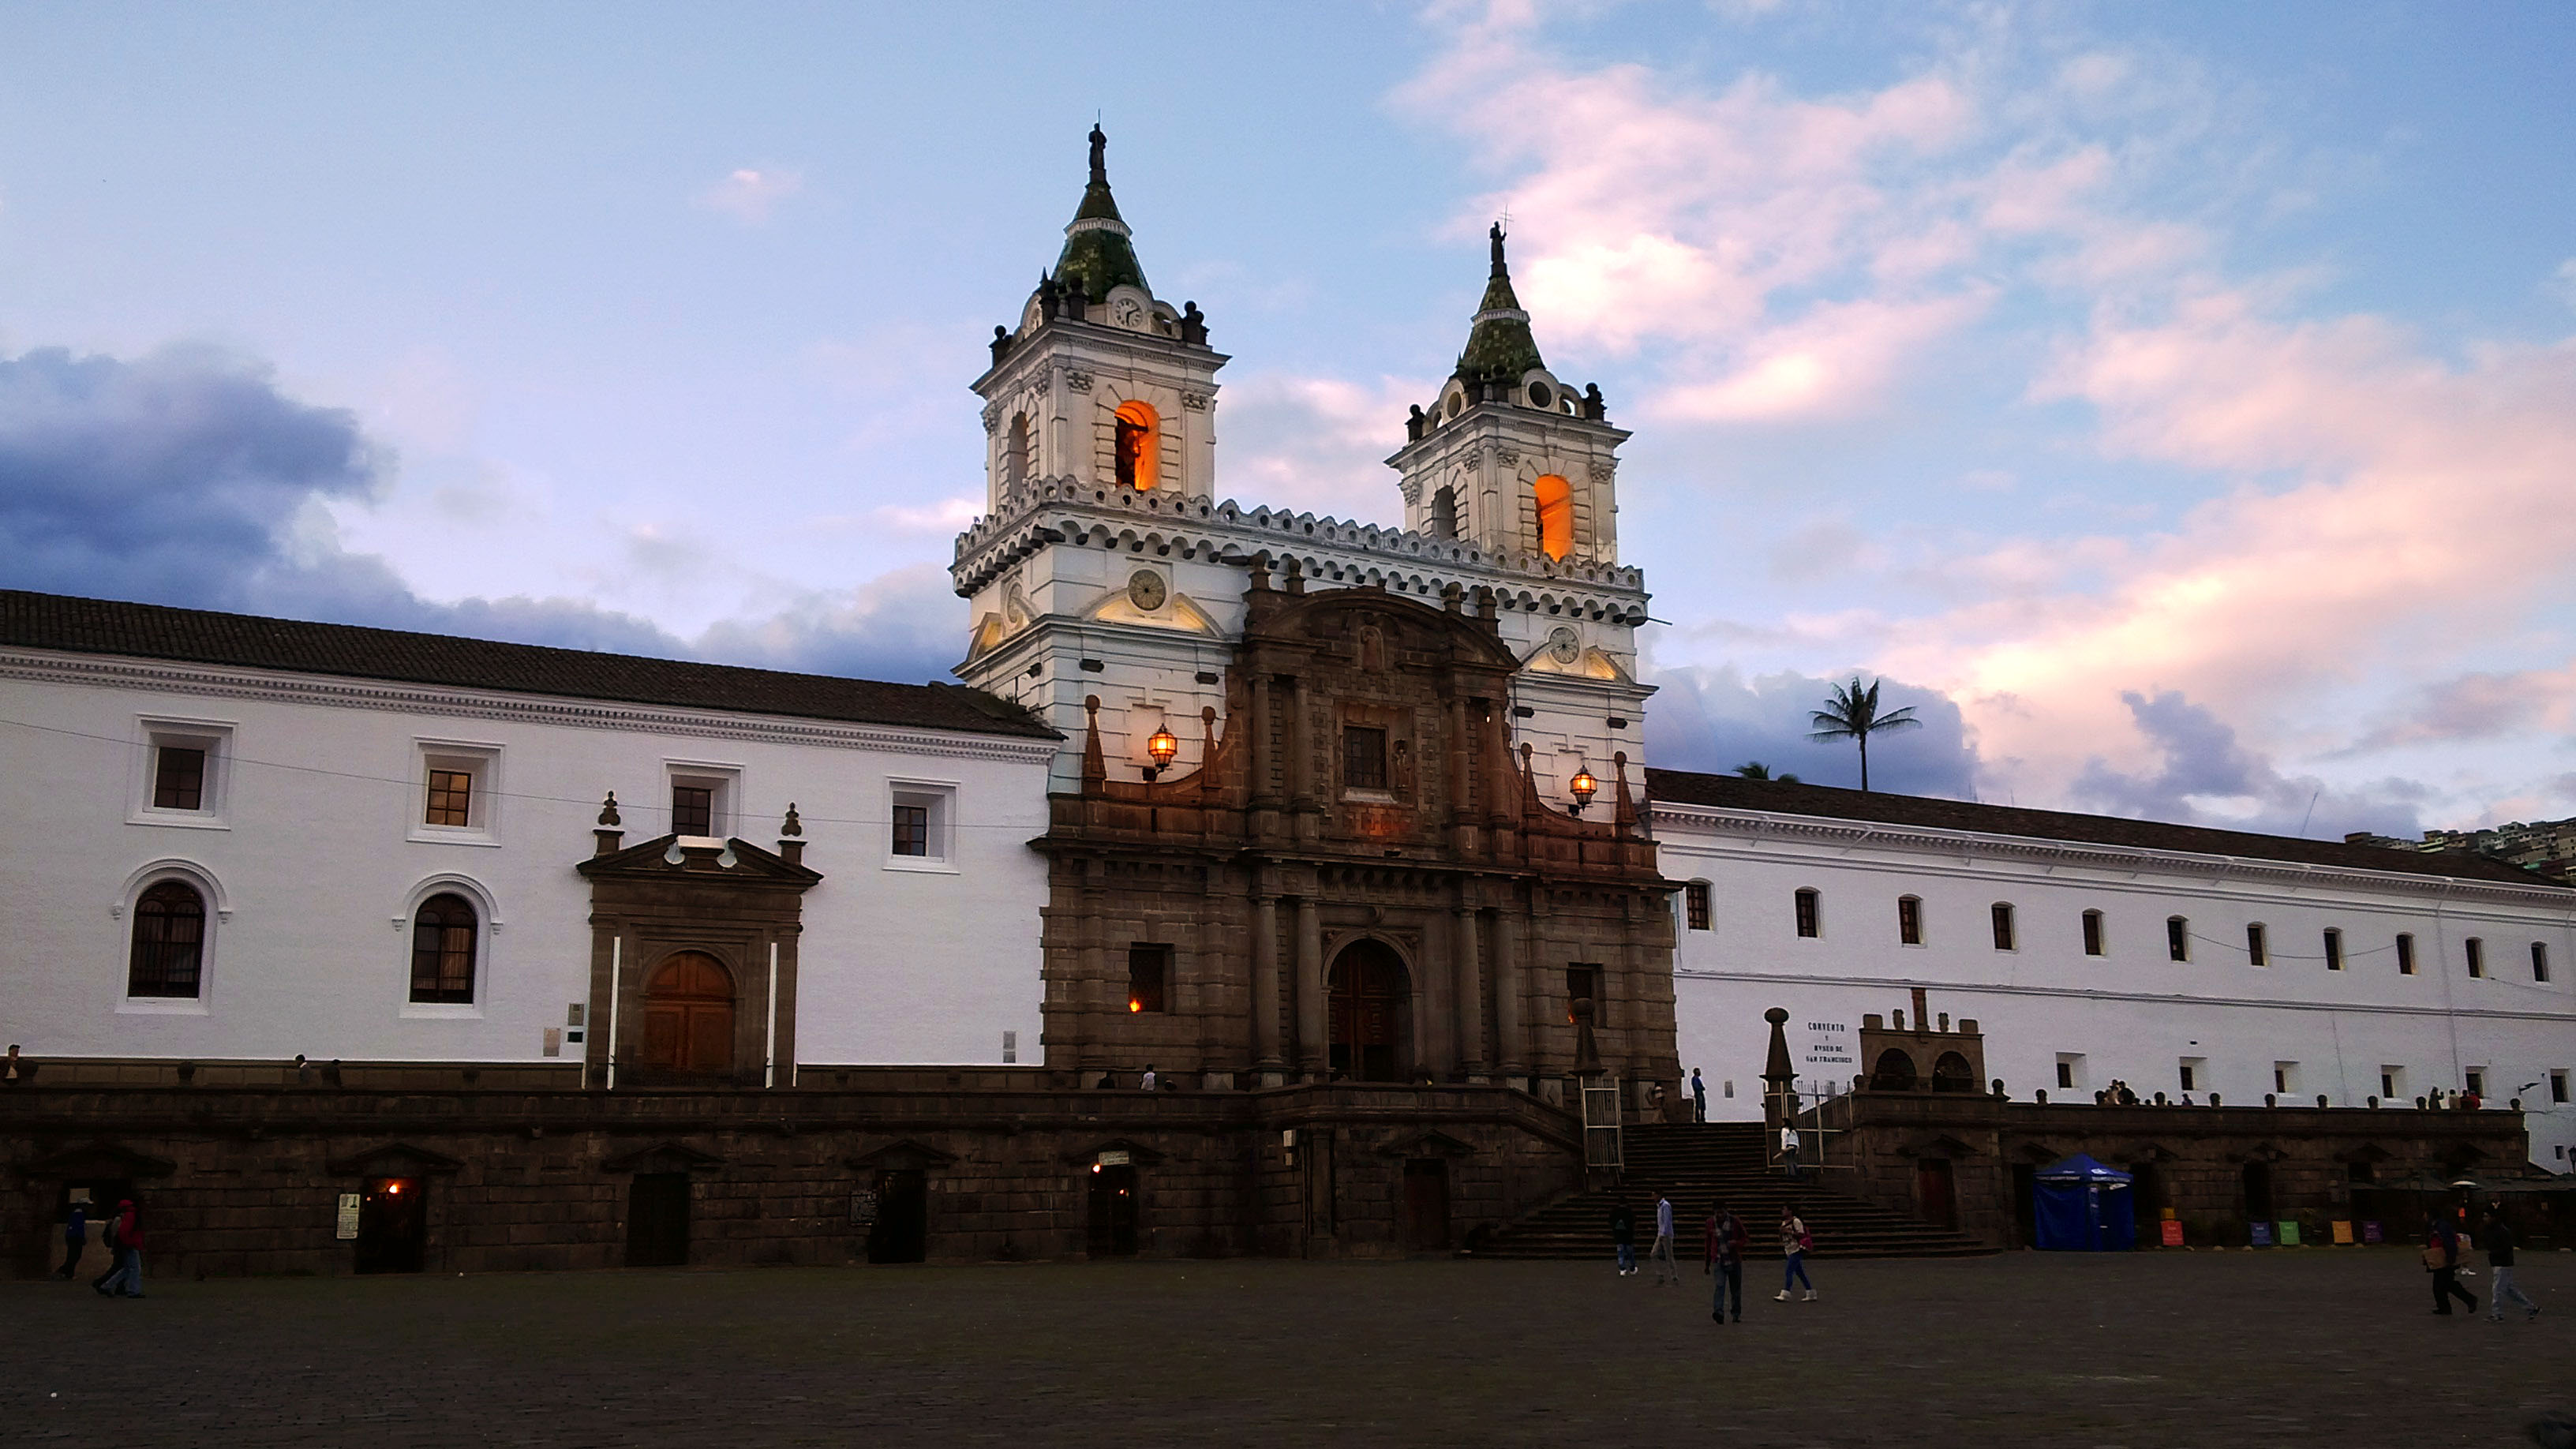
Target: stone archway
[(1892, 1072), (689, 1016), (1371, 1013)]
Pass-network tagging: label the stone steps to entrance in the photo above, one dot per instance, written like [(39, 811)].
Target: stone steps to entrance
[(1719, 1162)]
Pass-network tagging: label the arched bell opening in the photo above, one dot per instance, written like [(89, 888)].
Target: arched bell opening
[(1892, 1072)]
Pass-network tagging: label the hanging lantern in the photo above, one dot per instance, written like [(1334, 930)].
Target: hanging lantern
[(1164, 746), (1582, 787)]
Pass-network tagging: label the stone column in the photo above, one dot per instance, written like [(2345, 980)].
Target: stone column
[(1265, 989), (1511, 1043), (1263, 792), (1311, 1005), (1463, 926)]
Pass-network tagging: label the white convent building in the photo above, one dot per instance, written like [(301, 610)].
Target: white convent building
[(240, 840)]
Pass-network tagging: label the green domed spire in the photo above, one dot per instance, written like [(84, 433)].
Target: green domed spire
[(1096, 248), (1499, 346)]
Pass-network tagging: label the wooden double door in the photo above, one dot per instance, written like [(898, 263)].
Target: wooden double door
[(1370, 997), (689, 1017)]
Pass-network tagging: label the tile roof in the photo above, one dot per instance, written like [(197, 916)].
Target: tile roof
[(1730, 792), (152, 631)]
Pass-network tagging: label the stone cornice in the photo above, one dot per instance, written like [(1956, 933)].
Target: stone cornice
[(1061, 510), (1845, 834), (391, 695)]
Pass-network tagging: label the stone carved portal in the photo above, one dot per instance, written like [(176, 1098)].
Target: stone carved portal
[(1371, 1013), (688, 1016)]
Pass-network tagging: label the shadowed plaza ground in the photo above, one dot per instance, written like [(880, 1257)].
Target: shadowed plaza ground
[(2199, 1349)]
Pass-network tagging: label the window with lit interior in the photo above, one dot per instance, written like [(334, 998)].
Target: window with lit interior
[(444, 930), (1149, 976), (1138, 450), (1555, 499)]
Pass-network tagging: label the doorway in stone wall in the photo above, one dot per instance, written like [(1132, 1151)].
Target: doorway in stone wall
[(1937, 1190), (1426, 1204), (902, 1230), (1371, 1016), (1113, 1211), (657, 1220), (688, 1017), (393, 1226)]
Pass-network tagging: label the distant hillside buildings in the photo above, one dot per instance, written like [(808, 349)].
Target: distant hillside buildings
[(2545, 847)]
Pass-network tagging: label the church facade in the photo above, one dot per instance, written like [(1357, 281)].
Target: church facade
[(360, 950)]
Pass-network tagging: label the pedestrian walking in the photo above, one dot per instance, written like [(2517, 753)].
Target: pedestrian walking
[(1789, 1148), (125, 1264), (1699, 1097), (1794, 1243), (2442, 1259), (75, 1239), (1666, 1269), (2498, 1242), (1727, 1241), (1623, 1235)]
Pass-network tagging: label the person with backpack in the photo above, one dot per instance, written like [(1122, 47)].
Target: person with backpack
[(1727, 1241), (124, 1238), (1623, 1235), (2442, 1260), (1794, 1243)]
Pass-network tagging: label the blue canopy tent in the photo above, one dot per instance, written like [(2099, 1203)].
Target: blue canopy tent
[(2083, 1207)]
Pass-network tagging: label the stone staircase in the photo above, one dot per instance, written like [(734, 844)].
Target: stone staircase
[(1701, 1163)]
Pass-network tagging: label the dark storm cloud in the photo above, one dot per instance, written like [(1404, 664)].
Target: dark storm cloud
[(187, 477), (2204, 763), (1715, 719)]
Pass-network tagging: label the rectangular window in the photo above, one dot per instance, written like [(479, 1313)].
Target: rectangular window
[(2558, 1088), (2177, 938), (2539, 961), (2257, 949), (2190, 1073), (2405, 955), (2387, 1084), (1806, 904), (1695, 905), (1909, 920), (178, 778), (2092, 933), (2285, 1078), (451, 798), (1583, 983), (1149, 976), (1010, 1047), (2066, 1073), (1363, 757), (2003, 916), (2477, 1081), (912, 830), (2475, 951), (2334, 949), (693, 810)]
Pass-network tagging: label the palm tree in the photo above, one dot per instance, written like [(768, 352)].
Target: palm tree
[(1851, 713), (1756, 770)]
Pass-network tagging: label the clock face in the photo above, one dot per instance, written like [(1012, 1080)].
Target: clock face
[(1130, 313), (1563, 646), (1146, 590)]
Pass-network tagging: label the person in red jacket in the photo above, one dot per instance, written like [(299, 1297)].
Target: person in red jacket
[(125, 1244)]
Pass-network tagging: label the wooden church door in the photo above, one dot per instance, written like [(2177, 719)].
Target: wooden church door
[(688, 1016)]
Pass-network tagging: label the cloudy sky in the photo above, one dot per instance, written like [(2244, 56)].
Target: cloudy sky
[(2176, 404)]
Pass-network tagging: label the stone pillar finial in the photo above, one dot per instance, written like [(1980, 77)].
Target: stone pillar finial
[(605, 839), (1779, 1078), (1095, 765), (791, 833)]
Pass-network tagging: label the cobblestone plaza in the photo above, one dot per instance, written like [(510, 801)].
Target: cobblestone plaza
[(2201, 1349)]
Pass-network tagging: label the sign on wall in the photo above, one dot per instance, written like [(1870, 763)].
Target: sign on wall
[(863, 1208), (1829, 1051), (348, 1216)]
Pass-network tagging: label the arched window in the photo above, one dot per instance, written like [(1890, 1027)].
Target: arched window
[(1808, 904), (1015, 452), (2539, 961), (2258, 946), (1695, 905), (1892, 1072), (1555, 515), (1909, 920), (169, 942), (1950, 1074), (2177, 938), (2003, 914), (1140, 454), (2092, 933), (443, 932), (1444, 513)]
